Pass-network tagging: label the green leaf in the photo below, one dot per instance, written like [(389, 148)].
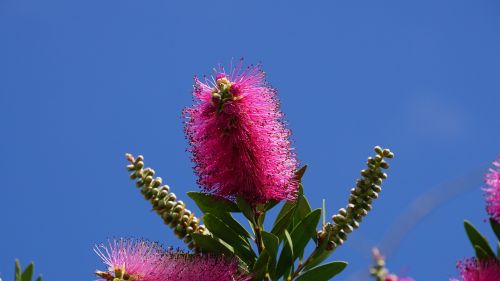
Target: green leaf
[(208, 202), (285, 209), (18, 271), (269, 205), (321, 252), (303, 232), (323, 272), (318, 258), (300, 236), (477, 239), (286, 258), (496, 227), (300, 172), (283, 220), (221, 207), (261, 219), (302, 210), (221, 230), (39, 278), (271, 244), (246, 209), (228, 219), (480, 253), (209, 244), (28, 273), (260, 268)]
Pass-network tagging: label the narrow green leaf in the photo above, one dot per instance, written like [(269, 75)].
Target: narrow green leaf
[(18, 271), (321, 252), (260, 268), (287, 265), (39, 278), (212, 245), (302, 210), (318, 258), (300, 236), (285, 209), (289, 240), (300, 172), (282, 223), (303, 232), (221, 230), (480, 253), (269, 205), (208, 202), (498, 250), (28, 273), (271, 244), (262, 217), (477, 239), (496, 227), (323, 272), (245, 208), (234, 224), (285, 261)]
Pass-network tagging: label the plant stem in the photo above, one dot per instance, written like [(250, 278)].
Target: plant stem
[(257, 229), (303, 265)]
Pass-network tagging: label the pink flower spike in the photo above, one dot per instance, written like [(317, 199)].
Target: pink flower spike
[(188, 267), (493, 191), (474, 270), (136, 258), (238, 139)]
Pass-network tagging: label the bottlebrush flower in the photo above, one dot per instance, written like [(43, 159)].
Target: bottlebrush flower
[(238, 139), (128, 259), (188, 267), (138, 260), (474, 270), (493, 191)]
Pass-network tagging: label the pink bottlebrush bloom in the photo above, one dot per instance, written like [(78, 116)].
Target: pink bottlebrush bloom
[(493, 191), (188, 267), (474, 270), (238, 139), (138, 259)]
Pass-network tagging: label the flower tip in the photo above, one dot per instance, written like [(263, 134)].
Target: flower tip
[(220, 76)]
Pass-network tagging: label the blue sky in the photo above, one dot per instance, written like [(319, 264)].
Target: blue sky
[(81, 83)]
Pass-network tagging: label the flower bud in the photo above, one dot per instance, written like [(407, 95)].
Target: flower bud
[(148, 180), (338, 219), (139, 183), (348, 228), (156, 182), (165, 187), (376, 188)]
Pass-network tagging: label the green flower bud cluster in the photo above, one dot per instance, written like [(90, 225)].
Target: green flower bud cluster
[(360, 201), (165, 203)]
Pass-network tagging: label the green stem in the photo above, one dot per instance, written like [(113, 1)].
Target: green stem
[(257, 229)]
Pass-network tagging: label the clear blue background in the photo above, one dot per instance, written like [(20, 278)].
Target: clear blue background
[(83, 82)]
